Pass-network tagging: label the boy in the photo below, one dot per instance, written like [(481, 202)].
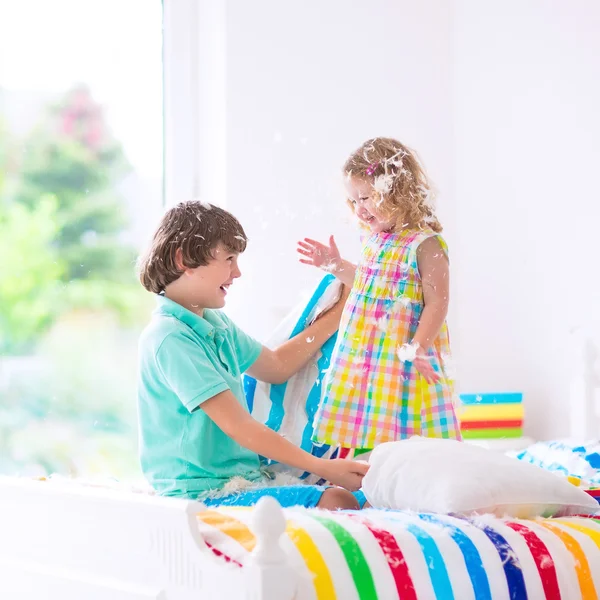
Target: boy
[(196, 433)]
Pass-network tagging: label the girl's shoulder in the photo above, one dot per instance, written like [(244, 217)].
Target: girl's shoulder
[(417, 237)]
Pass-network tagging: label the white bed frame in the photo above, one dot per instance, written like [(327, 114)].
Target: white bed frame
[(74, 542)]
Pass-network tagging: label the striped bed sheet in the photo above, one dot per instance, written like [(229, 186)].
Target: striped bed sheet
[(289, 407), (377, 554)]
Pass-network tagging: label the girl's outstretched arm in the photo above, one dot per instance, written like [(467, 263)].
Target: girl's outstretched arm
[(328, 258)]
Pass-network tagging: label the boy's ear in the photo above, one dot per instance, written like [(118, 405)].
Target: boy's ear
[(179, 260)]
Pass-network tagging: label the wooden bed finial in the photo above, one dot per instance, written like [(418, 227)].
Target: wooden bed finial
[(271, 576), (268, 525)]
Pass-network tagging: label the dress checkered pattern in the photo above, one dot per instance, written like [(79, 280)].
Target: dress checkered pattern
[(370, 395)]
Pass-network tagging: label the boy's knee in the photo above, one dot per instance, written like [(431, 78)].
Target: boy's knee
[(338, 499)]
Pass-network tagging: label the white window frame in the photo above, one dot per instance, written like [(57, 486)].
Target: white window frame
[(194, 79)]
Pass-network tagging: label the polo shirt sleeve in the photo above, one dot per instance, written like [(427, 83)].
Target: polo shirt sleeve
[(188, 371), (246, 348)]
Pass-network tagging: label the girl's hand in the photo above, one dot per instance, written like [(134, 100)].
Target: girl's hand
[(320, 255), (345, 473), (423, 365), (413, 353)]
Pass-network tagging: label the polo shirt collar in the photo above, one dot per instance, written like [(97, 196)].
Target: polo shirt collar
[(204, 326)]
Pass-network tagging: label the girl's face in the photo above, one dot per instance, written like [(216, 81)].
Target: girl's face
[(364, 201)]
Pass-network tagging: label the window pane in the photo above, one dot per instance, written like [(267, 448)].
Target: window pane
[(81, 157)]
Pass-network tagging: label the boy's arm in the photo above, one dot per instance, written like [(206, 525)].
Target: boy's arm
[(191, 376), (236, 423), (277, 366)]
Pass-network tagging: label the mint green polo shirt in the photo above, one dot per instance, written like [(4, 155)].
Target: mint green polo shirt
[(185, 360)]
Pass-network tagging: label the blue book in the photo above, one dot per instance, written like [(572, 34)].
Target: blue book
[(493, 398)]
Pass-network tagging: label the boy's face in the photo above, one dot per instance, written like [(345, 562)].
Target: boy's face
[(209, 283)]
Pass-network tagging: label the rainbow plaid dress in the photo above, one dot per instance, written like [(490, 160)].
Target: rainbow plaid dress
[(370, 396)]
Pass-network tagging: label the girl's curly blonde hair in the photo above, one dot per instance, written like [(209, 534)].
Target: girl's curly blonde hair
[(402, 191)]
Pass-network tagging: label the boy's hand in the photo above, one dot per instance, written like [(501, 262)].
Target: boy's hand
[(345, 473), (320, 255)]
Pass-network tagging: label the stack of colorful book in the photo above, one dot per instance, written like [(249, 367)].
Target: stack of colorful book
[(491, 416)]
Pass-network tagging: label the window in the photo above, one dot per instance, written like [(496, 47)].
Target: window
[(81, 186)]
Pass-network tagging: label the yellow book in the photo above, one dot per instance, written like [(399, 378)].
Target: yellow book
[(491, 412)]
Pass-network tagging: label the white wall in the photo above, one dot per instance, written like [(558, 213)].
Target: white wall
[(527, 125), (500, 99), (306, 83)]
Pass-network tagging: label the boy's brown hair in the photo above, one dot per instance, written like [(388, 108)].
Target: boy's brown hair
[(196, 228)]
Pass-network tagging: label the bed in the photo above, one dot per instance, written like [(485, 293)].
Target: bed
[(70, 541), (77, 542)]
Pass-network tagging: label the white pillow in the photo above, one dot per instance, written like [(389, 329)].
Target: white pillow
[(446, 476)]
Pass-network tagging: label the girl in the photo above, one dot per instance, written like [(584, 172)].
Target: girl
[(388, 378)]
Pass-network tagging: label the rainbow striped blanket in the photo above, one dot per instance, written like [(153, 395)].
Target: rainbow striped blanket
[(376, 554)]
